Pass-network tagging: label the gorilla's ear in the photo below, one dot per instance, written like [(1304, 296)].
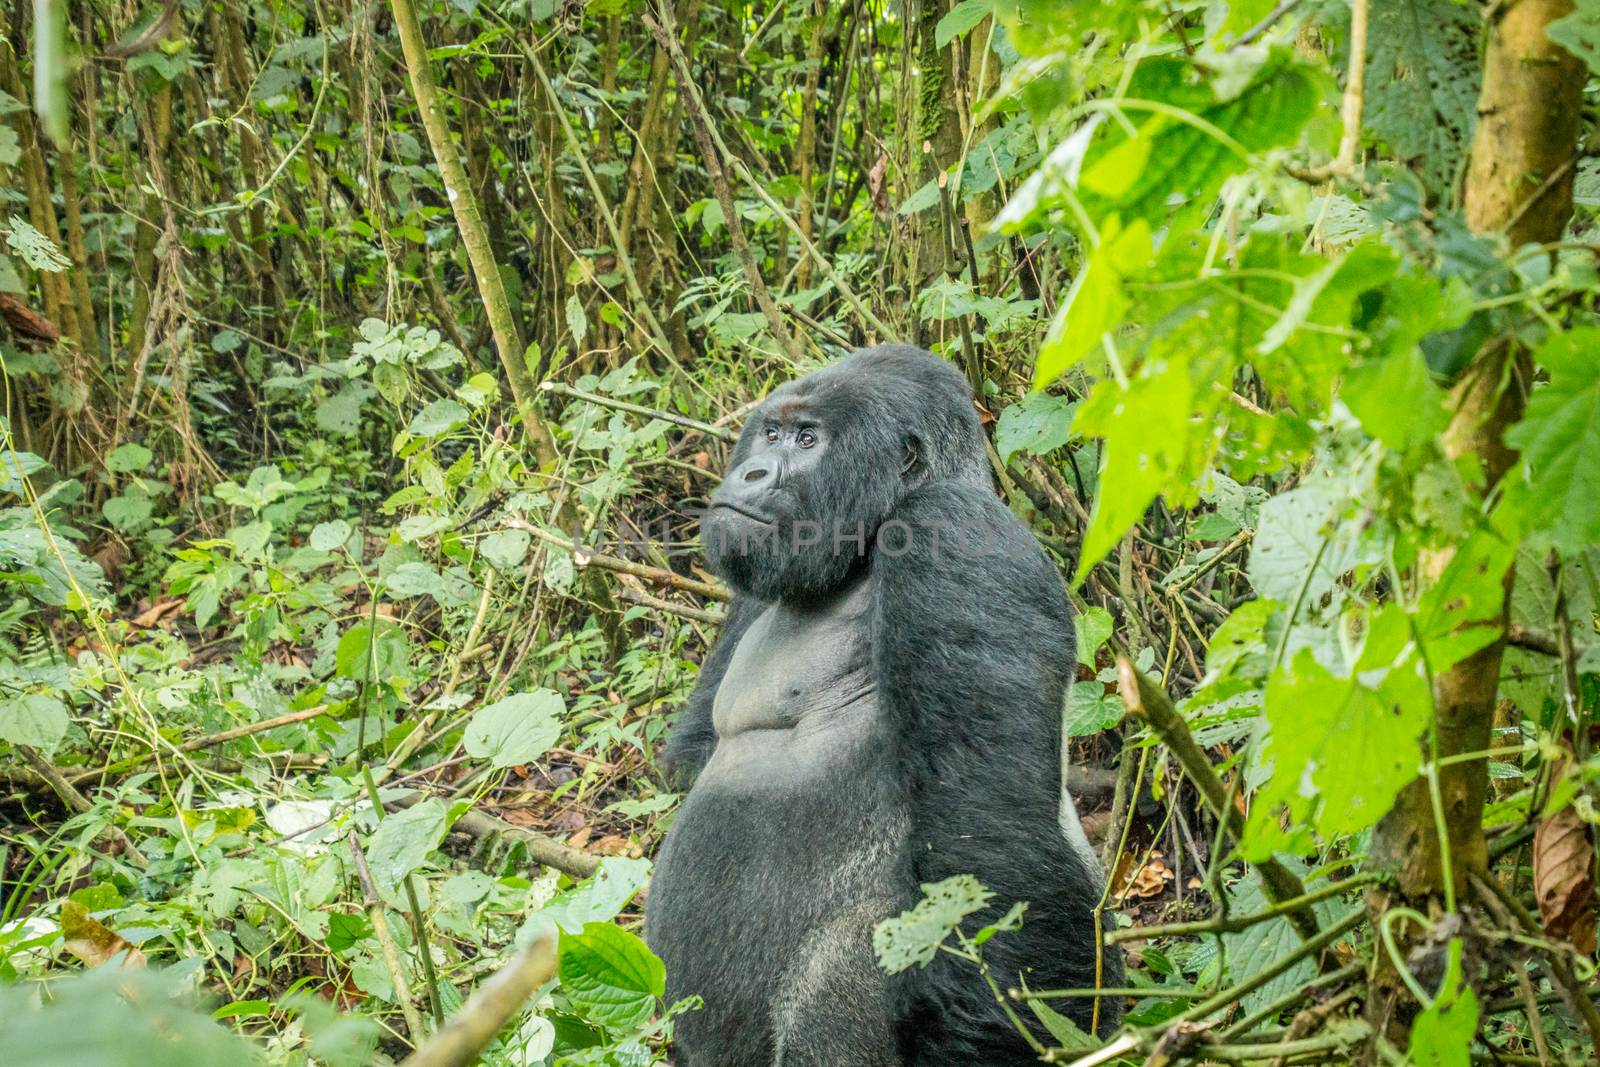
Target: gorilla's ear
[(912, 468)]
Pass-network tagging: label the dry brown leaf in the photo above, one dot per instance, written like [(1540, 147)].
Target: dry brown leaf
[(93, 942), (160, 610), (1563, 878)]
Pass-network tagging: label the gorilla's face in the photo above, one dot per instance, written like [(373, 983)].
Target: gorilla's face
[(823, 462), (797, 510)]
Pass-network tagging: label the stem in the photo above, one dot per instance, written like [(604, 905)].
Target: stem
[(469, 220)]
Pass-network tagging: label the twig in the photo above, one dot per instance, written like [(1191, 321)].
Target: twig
[(1150, 704), (1267, 23), (491, 1006), (1294, 996), (1176, 588), (719, 432), (716, 170), (1234, 924), (1500, 900), (1531, 640), (582, 557), (209, 741), (78, 802), (380, 930), (683, 611), (1313, 947)]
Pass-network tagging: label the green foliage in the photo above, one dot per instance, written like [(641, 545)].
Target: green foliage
[(1422, 83), (518, 729)]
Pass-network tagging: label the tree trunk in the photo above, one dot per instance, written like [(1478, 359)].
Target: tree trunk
[(1519, 182)]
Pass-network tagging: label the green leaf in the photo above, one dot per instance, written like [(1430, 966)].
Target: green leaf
[(505, 549), (1579, 33), (1559, 437), (375, 651), (1093, 629), (1396, 400), (1146, 427), (912, 937), (439, 417), (1422, 83), (35, 249), (1095, 304), (1301, 543), (15, 466), (610, 976), (34, 719), (518, 729), (959, 20), (129, 457), (1257, 947), (577, 321), (600, 897), (330, 536), (402, 842), (1090, 710), (415, 579), (129, 512), (1442, 1033), (1193, 141), (1341, 746), (1036, 424)]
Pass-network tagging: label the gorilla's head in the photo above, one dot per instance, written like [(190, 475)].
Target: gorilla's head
[(824, 461)]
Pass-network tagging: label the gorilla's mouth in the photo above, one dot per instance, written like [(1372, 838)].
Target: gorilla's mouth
[(739, 509)]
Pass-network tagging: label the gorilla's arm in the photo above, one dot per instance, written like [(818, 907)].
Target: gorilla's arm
[(974, 651), (694, 736)]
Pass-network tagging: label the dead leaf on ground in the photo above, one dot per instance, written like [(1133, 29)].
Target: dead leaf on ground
[(93, 942), (160, 611)]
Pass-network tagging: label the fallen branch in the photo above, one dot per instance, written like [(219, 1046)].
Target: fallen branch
[(195, 745), (1232, 924), (1150, 704), (683, 611), (491, 1006), (77, 801), (541, 849), (582, 557)]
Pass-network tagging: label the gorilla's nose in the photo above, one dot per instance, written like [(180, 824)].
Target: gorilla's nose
[(758, 474)]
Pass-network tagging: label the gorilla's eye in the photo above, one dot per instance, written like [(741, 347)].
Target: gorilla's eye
[(806, 438), (772, 433)]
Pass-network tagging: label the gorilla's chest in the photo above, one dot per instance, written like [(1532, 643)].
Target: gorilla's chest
[(798, 695)]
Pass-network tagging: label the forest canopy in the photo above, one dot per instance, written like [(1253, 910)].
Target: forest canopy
[(367, 366)]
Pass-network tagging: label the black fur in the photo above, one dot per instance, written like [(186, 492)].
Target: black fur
[(927, 670)]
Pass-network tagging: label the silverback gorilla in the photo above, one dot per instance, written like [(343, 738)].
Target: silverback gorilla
[(883, 710)]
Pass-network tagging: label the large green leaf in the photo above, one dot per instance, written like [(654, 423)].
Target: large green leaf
[(35, 719), (1579, 33), (1189, 139), (1559, 437), (1442, 1034), (1422, 83), (1341, 746), (402, 843), (375, 651), (1147, 431), (611, 976), (518, 729)]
